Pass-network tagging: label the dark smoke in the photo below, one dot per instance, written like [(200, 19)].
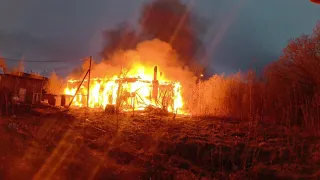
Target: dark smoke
[(122, 37), (168, 20)]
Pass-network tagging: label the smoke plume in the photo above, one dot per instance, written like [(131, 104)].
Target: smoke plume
[(54, 84), (141, 61), (19, 69), (170, 21)]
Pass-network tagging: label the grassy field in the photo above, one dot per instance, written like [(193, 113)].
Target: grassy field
[(50, 143)]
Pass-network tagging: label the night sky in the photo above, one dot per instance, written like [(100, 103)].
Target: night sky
[(242, 34)]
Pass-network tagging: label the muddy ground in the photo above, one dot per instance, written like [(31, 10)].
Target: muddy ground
[(49, 143)]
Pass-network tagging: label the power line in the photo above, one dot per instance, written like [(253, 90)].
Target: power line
[(37, 61), (46, 61)]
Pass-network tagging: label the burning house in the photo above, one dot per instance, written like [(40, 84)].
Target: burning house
[(127, 93), (151, 75), (27, 88)]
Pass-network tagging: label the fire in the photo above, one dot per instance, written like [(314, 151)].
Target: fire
[(136, 89), (149, 75)]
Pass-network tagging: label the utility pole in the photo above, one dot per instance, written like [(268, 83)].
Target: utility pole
[(89, 70), (78, 88)]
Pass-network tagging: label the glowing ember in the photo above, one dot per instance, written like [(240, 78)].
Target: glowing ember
[(137, 90)]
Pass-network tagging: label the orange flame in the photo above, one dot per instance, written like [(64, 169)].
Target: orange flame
[(138, 89)]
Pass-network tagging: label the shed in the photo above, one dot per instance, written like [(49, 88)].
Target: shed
[(29, 89)]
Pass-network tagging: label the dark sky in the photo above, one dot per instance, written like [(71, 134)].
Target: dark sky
[(242, 34)]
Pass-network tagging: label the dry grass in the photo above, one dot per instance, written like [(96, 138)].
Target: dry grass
[(55, 144)]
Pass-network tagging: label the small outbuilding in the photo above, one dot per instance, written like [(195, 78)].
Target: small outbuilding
[(26, 87)]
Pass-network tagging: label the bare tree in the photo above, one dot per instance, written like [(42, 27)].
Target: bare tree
[(294, 81), (3, 65)]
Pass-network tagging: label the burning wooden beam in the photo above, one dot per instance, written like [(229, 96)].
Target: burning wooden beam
[(128, 93), (155, 84)]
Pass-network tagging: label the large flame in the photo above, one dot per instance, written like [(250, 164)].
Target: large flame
[(137, 90), (150, 75)]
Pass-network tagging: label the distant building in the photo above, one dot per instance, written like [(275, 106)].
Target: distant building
[(27, 87)]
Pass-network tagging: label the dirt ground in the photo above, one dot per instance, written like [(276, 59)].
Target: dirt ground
[(49, 143)]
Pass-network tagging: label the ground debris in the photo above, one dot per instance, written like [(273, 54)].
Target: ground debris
[(83, 144)]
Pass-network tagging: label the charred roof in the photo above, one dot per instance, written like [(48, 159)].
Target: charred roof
[(26, 75)]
